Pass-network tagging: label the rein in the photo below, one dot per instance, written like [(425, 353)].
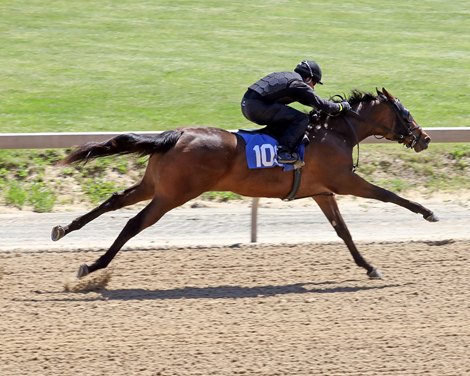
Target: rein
[(348, 122)]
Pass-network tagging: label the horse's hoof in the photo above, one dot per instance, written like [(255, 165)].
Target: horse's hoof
[(375, 274), (57, 233), (432, 218), (83, 271)]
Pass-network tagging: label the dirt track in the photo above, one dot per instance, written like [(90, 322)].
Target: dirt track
[(250, 310)]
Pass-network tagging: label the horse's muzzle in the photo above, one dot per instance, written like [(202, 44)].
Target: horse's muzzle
[(422, 142)]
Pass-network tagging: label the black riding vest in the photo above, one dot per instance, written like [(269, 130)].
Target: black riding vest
[(288, 87), (274, 86)]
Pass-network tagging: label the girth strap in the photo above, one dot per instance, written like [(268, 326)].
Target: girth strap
[(295, 185)]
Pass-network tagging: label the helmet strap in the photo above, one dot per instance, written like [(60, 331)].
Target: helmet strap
[(309, 68)]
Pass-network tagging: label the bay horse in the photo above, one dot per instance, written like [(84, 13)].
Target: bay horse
[(186, 162)]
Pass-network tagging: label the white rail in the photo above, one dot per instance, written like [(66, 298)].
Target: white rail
[(69, 139)]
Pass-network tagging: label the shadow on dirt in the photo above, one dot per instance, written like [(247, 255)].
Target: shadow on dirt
[(219, 292), (237, 292), (233, 292)]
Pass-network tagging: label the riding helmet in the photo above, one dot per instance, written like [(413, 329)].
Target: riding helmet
[(307, 69)]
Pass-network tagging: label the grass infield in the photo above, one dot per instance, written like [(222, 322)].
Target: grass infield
[(153, 65)]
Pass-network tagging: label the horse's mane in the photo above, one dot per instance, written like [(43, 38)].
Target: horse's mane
[(355, 97)]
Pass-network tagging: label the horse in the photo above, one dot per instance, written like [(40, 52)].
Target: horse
[(185, 162)]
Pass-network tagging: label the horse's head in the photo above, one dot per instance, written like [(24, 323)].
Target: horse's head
[(404, 128)]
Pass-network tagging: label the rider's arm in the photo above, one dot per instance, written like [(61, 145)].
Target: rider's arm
[(305, 95)]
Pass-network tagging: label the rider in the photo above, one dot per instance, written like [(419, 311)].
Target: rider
[(265, 103)]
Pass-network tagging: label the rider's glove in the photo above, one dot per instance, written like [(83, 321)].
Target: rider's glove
[(344, 106)]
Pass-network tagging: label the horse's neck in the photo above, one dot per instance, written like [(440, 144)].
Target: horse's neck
[(352, 129), (365, 125), (362, 129), (374, 117)]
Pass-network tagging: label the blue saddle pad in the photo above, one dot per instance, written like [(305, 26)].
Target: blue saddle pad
[(261, 151)]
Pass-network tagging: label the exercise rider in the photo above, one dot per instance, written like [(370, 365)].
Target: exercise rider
[(266, 103)]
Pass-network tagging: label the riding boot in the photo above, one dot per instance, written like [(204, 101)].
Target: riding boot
[(289, 141), (294, 133)]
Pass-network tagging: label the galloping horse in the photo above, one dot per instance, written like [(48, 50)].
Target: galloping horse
[(187, 162)]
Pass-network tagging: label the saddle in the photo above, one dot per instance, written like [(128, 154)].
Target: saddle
[(316, 119), (261, 149)]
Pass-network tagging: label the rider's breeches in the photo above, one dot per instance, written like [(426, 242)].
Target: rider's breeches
[(291, 124)]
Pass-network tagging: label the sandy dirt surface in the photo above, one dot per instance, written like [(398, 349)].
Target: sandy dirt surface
[(301, 309)]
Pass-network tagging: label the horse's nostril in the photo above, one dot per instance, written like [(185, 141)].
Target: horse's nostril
[(427, 139)]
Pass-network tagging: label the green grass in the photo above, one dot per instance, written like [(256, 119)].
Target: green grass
[(37, 195), (99, 191), (16, 195), (41, 197), (153, 65)]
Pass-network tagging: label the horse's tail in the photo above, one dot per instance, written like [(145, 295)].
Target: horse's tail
[(124, 144)]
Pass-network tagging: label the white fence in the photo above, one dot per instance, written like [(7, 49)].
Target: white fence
[(68, 139), (65, 140)]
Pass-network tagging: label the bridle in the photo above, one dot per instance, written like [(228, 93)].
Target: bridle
[(404, 118), (406, 122)]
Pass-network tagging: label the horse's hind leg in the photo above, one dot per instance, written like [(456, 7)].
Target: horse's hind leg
[(329, 206), (137, 193), (147, 217)]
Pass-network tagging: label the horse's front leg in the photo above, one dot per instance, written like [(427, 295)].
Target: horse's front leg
[(357, 186), (118, 200), (329, 206)]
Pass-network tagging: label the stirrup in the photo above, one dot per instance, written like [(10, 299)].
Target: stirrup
[(284, 157)]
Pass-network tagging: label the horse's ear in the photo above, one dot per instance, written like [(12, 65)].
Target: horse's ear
[(387, 94), (381, 95)]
